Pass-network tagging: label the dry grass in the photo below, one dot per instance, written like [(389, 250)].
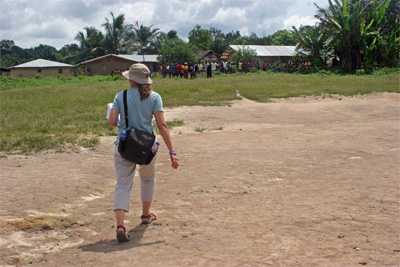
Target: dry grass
[(51, 113), (42, 223)]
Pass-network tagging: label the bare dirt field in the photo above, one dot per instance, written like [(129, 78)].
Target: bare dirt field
[(295, 182)]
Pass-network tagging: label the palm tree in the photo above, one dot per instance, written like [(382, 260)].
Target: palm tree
[(356, 30), (81, 38), (6, 46), (145, 36), (380, 36), (341, 21), (90, 42), (312, 44), (390, 48), (115, 29)]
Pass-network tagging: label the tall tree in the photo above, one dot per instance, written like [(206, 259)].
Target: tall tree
[(380, 38), (245, 56), (311, 43), (43, 51), (162, 38), (342, 22), (283, 37), (5, 50), (91, 43), (390, 48), (219, 43), (356, 30), (232, 36), (200, 38), (6, 44), (172, 34), (145, 37), (69, 53), (115, 33), (176, 51)]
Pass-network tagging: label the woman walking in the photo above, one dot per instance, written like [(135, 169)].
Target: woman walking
[(143, 104)]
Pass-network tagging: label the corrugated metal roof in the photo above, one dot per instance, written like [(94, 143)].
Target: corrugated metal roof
[(134, 58), (41, 63), (94, 59), (140, 58), (269, 50)]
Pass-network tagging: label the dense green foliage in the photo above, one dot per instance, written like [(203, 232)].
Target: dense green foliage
[(243, 55), (354, 34), (50, 113), (176, 50)]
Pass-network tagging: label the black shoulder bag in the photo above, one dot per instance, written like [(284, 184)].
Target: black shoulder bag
[(135, 145)]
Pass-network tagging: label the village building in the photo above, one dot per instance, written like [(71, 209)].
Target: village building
[(207, 56), (4, 72), (41, 67), (265, 54), (115, 64)]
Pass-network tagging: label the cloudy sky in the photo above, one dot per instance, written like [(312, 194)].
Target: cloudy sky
[(56, 22)]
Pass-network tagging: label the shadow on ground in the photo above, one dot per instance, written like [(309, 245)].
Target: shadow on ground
[(111, 245)]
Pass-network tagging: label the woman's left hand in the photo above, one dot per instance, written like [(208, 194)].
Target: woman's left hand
[(174, 161)]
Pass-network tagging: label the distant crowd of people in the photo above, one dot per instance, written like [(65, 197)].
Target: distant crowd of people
[(191, 71), (179, 70), (207, 69)]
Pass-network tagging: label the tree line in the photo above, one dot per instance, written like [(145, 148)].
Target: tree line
[(120, 37), (353, 34), (349, 35)]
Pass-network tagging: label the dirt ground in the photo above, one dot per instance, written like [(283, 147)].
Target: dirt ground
[(295, 182)]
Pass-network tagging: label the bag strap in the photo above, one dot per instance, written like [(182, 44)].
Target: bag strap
[(125, 97)]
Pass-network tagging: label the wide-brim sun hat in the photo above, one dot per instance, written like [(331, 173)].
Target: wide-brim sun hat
[(138, 73)]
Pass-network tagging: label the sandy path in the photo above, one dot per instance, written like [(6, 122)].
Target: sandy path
[(299, 182)]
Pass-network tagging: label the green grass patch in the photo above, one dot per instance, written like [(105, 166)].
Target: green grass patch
[(262, 87), (175, 123), (50, 113)]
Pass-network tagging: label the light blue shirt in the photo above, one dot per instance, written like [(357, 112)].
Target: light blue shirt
[(140, 112)]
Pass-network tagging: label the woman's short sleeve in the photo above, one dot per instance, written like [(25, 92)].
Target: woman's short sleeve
[(157, 104)]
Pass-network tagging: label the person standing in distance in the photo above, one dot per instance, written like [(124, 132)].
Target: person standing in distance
[(143, 105), (209, 70)]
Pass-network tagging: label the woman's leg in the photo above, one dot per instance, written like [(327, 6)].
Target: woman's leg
[(146, 206), (119, 217), (125, 172), (147, 177)]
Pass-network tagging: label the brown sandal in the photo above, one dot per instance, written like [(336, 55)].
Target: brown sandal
[(122, 236), (148, 219)]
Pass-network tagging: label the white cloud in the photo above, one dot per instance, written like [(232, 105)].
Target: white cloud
[(298, 21), (230, 16), (56, 22)]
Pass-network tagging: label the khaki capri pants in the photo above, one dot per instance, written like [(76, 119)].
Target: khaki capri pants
[(125, 171)]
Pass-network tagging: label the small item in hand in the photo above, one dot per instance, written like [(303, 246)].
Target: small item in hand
[(109, 108), (155, 147)]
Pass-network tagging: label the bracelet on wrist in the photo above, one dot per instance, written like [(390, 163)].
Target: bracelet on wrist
[(172, 153)]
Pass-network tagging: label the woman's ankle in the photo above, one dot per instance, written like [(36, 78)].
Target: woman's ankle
[(144, 213), (146, 206)]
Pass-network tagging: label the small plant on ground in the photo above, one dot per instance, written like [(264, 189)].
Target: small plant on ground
[(200, 129), (175, 123)]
